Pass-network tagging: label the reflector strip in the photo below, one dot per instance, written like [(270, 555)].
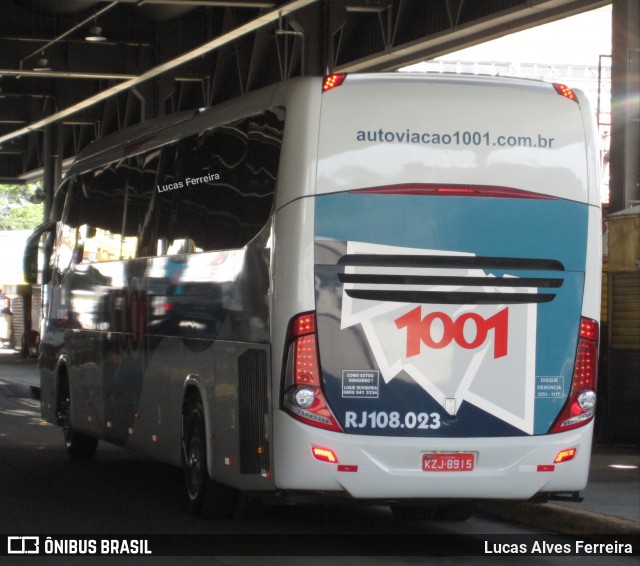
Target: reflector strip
[(347, 468), (435, 189), (545, 468)]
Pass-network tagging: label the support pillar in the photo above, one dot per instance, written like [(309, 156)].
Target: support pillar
[(624, 183)]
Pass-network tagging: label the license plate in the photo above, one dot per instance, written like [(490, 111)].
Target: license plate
[(448, 462)]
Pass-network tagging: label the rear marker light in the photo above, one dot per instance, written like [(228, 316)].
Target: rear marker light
[(324, 454), (564, 90), (333, 81), (347, 468), (546, 468), (588, 329), (565, 455), (304, 324)]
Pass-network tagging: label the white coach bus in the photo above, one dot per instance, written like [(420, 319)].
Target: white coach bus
[(381, 286)]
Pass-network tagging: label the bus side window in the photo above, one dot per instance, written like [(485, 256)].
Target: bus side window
[(142, 222), (94, 210), (67, 236), (110, 209), (66, 245), (218, 186)]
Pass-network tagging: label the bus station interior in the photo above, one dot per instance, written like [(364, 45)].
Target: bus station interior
[(73, 71)]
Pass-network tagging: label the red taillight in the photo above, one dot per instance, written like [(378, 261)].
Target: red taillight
[(580, 407), (564, 90), (304, 324), (589, 329), (584, 373), (303, 395), (305, 361), (332, 81)]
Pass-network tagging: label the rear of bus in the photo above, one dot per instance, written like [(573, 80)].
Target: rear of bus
[(447, 341)]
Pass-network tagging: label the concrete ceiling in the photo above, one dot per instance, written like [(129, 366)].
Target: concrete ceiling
[(164, 56)]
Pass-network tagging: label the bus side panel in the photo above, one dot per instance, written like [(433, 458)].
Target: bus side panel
[(239, 419), (131, 334)]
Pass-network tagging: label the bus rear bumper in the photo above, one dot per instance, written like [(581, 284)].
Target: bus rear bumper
[(391, 467)]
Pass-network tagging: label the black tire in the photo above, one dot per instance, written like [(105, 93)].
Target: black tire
[(413, 512), (196, 474), (204, 494), (80, 447)]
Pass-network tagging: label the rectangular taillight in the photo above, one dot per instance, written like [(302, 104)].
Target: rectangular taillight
[(580, 406), (303, 396)]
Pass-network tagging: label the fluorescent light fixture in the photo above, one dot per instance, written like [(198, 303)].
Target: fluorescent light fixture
[(42, 64), (95, 34)]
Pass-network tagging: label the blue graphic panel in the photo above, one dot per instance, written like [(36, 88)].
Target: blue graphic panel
[(537, 241)]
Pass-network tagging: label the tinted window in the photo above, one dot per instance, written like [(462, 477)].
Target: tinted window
[(210, 191), (217, 187)]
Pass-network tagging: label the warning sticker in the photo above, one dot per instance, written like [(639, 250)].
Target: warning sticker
[(550, 387), (360, 383)]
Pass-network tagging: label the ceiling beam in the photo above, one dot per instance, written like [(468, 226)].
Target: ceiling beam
[(537, 12), (207, 3), (216, 43)]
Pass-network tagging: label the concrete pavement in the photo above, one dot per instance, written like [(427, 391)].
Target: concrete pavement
[(611, 502)]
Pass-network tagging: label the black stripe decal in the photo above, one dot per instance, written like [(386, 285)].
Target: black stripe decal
[(546, 283), (449, 298), (458, 262)]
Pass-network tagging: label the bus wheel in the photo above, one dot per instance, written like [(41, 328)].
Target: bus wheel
[(80, 447), (203, 493)]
